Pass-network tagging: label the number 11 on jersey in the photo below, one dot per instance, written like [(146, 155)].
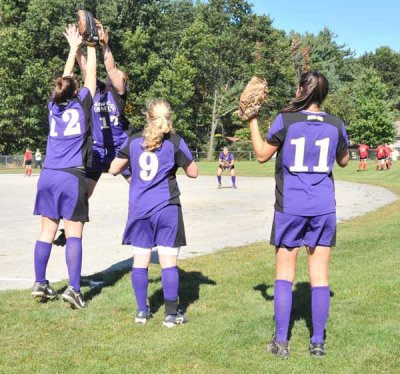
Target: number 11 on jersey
[(300, 145)]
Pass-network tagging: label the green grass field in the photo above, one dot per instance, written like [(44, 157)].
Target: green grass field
[(229, 298)]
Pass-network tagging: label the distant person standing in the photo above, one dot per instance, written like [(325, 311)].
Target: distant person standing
[(38, 159), (28, 162), (363, 154), (380, 157), (388, 153), (226, 162)]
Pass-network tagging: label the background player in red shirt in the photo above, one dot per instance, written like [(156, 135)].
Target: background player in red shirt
[(363, 153), (380, 157), (388, 152), (28, 162)]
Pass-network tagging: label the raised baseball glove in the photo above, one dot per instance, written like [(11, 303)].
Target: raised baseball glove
[(103, 34), (87, 27), (252, 97)]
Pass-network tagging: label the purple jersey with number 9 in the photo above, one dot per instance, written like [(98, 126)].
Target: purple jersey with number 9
[(308, 145), (153, 183), (69, 140)]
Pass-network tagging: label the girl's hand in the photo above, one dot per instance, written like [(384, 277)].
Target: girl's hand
[(73, 37)]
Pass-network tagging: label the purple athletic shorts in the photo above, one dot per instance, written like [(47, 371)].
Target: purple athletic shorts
[(295, 231), (101, 160), (62, 193), (163, 228)]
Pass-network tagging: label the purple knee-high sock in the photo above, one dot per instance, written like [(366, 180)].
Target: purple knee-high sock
[(282, 308), (73, 257), (140, 282), (233, 180), (320, 300), (41, 258), (219, 179), (170, 284)]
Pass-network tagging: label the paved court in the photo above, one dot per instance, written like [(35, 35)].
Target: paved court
[(214, 219)]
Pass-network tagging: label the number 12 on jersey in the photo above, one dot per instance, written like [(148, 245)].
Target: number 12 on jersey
[(300, 145)]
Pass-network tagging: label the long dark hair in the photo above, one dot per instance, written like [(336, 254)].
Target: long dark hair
[(313, 89), (64, 89)]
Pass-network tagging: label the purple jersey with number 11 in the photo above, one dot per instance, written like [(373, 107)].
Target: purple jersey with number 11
[(308, 145), (69, 142), (153, 184)]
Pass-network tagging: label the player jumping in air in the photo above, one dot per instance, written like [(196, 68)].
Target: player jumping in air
[(226, 162), (363, 154), (307, 141), (155, 215), (110, 126), (62, 189)]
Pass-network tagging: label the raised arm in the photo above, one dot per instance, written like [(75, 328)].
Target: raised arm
[(262, 149), (82, 62), (115, 75), (90, 77), (74, 40)]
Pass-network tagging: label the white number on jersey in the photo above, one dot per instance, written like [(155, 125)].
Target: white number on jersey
[(113, 120), (300, 144), (148, 162), (71, 118)]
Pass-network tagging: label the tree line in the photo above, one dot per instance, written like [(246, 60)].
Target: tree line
[(198, 56)]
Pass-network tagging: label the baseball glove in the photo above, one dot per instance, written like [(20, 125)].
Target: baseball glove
[(103, 34), (87, 27), (252, 97)]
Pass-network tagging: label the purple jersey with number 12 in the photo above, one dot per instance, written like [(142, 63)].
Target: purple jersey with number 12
[(69, 141), (308, 145), (153, 183)]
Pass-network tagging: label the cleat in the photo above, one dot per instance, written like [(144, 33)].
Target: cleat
[(219, 186), (317, 349), (143, 316), (74, 298), (61, 240), (234, 187), (280, 349), (172, 320), (44, 290)]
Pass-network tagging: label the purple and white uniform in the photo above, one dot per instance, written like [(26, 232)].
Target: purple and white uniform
[(62, 187), (227, 158), (110, 129), (155, 217), (305, 207)]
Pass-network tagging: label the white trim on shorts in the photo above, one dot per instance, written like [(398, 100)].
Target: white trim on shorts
[(140, 250), (174, 251)]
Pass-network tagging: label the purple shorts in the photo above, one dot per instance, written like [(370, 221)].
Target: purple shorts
[(62, 193), (164, 228), (295, 231), (101, 160)]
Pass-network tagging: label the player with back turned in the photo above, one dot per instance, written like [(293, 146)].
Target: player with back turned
[(155, 214), (62, 188), (307, 141)]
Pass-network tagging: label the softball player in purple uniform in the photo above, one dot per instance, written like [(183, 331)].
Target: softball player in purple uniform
[(155, 216), (226, 162), (307, 141), (62, 188), (110, 126)]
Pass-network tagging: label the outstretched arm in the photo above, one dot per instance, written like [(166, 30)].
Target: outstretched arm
[(90, 77), (115, 75), (262, 149), (74, 40), (82, 62)]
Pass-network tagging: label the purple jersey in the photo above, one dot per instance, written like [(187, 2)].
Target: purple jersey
[(69, 141), (308, 145), (153, 185), (109, 124), (228, 158)]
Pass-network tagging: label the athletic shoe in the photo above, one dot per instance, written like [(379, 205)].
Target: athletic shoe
[(74, 298), (234, 187), (143, 316), (317, 349), (280, 349), (61, 240), (220, 186), (171, 320), (44, 290)]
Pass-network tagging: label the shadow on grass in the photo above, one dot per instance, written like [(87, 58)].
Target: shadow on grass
[(301, 303), (105, 278), (189, 290)]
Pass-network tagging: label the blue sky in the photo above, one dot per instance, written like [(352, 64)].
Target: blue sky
[(363, 25)]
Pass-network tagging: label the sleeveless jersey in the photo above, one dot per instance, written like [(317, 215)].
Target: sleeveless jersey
[(308, 145), (109, 124), (69, 142), (153, 184)]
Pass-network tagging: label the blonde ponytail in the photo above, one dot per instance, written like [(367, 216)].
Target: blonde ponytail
[(159, 123)]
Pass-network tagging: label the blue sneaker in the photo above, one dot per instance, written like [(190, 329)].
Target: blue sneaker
[(171, 320), (143, 316)]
